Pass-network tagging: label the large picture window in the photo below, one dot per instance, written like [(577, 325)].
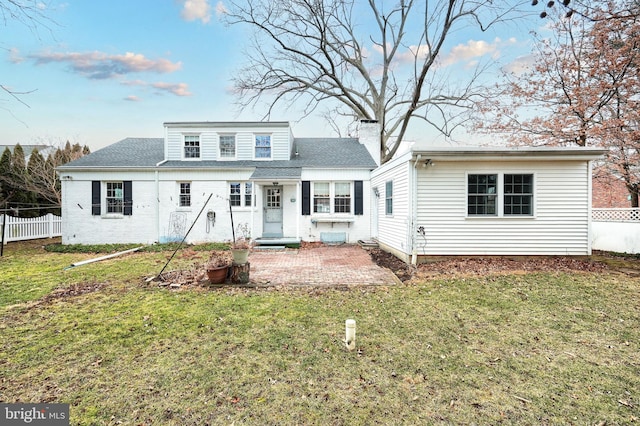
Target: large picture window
[(518, 194), (191, 146), (482, 192)]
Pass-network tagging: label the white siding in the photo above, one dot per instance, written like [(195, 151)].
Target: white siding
[(559, 226), (281, 141), (394, 230)]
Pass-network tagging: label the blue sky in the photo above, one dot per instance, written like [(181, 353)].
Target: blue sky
[(106, 70)]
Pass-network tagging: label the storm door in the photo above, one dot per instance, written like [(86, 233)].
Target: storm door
[(272, 212)]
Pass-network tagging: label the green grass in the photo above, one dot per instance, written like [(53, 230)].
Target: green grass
[(542, 348)]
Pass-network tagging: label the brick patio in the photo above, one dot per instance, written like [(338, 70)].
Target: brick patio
[(321, 266)]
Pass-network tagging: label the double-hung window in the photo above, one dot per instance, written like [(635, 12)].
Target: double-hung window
[(518, 194), (263, 146), (321, 197), (115, 197), (507, 194), (227, 146), (342, 198), (185, 194), (481, 195), (388, 198), (240, 194), (191, 146)]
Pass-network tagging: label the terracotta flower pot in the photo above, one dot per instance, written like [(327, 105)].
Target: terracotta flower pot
[(217, 275)]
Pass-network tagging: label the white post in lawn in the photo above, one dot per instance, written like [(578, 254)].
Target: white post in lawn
[(350, 339)]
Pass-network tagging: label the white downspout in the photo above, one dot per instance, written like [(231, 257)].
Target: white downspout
[(253, 207), (298, 209), (157, 181), (589, 205), (413, 190)]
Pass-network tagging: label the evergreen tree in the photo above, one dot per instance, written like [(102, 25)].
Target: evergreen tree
[(6, 189)]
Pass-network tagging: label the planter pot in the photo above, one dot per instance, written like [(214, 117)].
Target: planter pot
[(240, 256), (217, 275)]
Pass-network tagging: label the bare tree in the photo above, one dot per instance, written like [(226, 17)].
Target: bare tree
[(37, 182), (362, 60), (582, 90)]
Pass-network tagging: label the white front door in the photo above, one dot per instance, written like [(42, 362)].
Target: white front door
[(272, 212)]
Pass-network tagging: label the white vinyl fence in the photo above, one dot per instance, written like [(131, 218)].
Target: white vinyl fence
[(30, 228), (616, 230)]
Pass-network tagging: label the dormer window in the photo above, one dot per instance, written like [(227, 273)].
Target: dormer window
[(191, 146), (227, 146), (263, 147)]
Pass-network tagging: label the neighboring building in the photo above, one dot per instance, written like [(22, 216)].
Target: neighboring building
[(44, 150), (610, 192), (277, 186), (484, 201)]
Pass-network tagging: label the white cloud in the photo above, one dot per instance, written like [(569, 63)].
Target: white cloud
[(99, 65), (521, 64), (221, 9), (132, 98), (14, 56), (178, 89), (194, 10), (472, 50)]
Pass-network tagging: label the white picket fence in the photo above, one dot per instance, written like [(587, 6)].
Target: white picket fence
[(616, 230), (31, 228)]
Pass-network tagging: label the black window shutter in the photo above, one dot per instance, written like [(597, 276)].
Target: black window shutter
[(95, 198), (128, 200), (357, 187), (306, 198)]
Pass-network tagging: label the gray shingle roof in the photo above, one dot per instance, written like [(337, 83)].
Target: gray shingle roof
[(307, 152), (128, 153), (277, 173)]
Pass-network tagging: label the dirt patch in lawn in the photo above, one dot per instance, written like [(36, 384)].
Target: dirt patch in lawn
[(486, 265), (73, 290)]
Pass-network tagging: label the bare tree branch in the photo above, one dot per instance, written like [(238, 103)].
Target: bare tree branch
[(352, 58)]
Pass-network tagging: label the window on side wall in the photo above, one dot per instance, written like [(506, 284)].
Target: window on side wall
[(185, 194), (115, 198), (321, 197), (227, 146), (482, 194), (263, 146), (518, 194), (191, 146), (388, 198)]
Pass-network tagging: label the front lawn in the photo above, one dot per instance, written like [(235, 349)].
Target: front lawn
[(525, 348)]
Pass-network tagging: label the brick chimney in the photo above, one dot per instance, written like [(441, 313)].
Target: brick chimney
[(369, 136)]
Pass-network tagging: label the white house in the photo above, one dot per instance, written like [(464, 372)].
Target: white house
[(203, 175), (484, 201), (428, 201)]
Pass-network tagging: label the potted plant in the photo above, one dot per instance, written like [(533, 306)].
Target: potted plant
[(218, 267), (242, 244)]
